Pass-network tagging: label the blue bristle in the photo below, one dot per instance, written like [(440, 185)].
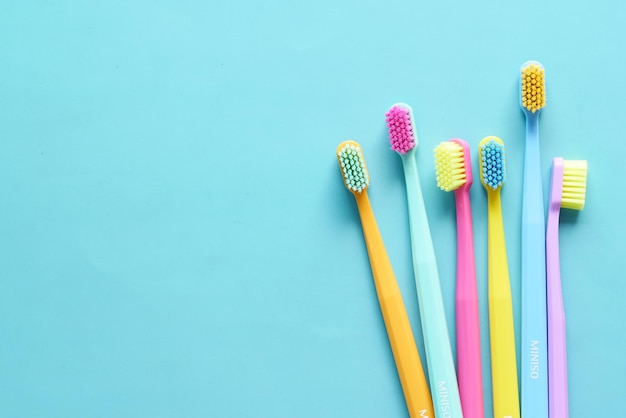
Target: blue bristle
[(493, 168)]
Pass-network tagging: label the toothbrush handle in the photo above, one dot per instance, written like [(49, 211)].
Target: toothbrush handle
[(534, 316), (406, 356), (501, 326), (467, 320), (442, 374), (557, 353)]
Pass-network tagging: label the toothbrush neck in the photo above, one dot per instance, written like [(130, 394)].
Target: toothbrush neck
[(532, 126), (466, 270), (552, 228), (533, 210), (494, 203), (463, 208)]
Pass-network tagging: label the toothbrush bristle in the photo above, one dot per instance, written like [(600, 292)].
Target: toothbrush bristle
[(533, 94), (401, 130), (450, 166), (492, 163), (352, 164), (574, 184)]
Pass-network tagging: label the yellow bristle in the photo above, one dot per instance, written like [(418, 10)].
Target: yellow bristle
[(450, 166), (533, 87), (574, 184)]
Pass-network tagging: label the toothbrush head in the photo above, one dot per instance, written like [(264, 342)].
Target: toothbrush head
[(453, 165), (574, 184), (401, 127), (532, 87), (492, 163), (352, 165)]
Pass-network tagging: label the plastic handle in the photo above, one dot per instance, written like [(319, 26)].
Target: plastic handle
[(534, 317), (557, 352), (405, 354), (441, 369), (467, 319), (501, 325)]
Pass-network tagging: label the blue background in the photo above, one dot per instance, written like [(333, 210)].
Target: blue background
[(175, 237)]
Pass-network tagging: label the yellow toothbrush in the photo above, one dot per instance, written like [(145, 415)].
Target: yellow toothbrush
[(501, 329), (408, 363)]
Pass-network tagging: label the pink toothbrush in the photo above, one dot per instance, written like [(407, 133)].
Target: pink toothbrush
[(454, 172)]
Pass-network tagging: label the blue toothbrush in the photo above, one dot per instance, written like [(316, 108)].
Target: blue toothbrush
[(534, 369)]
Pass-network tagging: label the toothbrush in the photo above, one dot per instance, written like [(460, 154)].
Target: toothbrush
[(534, 364), (443, 382), (501, 328), (454, 172), (569, 183), (412, 377)]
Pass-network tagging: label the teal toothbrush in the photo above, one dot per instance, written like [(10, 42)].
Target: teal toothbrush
[(441, 371)]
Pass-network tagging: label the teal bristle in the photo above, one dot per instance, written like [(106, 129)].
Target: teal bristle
[(353, 167), (493, 168)]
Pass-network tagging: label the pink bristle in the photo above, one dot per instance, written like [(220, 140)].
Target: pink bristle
[(401, 135)]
